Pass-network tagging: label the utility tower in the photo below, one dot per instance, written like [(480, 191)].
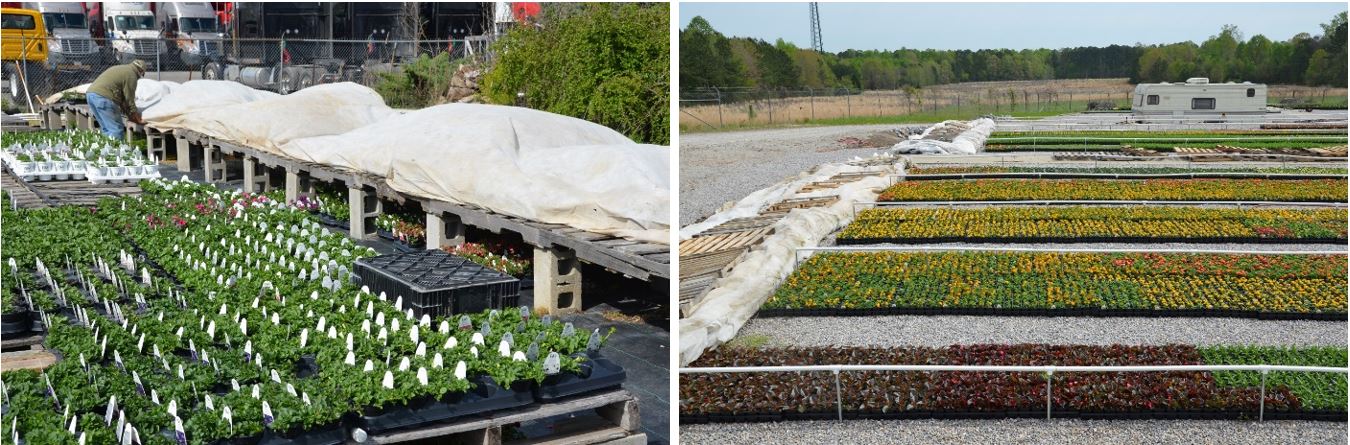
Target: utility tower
[(816, 44)]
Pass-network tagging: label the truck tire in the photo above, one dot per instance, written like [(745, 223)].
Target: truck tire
[(213, 71), (305, 80), (37, 76)]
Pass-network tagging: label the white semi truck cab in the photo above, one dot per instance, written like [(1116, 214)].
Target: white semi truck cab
[(133, 33), (69, 43), (193, 31)]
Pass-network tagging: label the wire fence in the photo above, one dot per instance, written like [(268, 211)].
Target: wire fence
[(1047, 370), (731, 107), (50, 65)]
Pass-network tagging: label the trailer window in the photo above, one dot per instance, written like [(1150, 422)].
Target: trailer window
[(18, 21), (1251, 92), (1153, 99), (1202, 103)]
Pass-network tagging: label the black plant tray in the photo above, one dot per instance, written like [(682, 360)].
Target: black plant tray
[(596, 373), (331, 221), (486, 397), (1086, 239), (16, 323), (1035, 312), (331, 435), (1333, 416)]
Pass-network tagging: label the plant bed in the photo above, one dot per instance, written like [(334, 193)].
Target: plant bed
[(486, 397), (1006, 282), (1322, 190), (596, 373), (969, 394), (863, 312), (1142, 224)]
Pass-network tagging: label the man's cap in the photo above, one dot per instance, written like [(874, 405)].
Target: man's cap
[(139, 64)]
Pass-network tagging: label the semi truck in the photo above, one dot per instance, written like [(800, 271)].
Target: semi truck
[(132, 32), (70, 45), (194, 33)]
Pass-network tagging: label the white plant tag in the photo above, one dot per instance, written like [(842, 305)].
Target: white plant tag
[(388, 381), (421, 349), (450, 343), (422, 376), (437, 361), (370, 366), (461, 370), (403, 364)]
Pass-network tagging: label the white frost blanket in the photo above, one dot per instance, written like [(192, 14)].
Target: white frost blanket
[(516, 161), (739, 294), (148, 92), (194, 95), (968, 142), (270, 122)]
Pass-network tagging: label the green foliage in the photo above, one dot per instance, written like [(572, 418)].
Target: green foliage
[(419, 84), (605, 63), (1316, 390), (1303, 59)]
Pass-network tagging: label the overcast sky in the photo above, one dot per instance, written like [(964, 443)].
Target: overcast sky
[(1007, 25)]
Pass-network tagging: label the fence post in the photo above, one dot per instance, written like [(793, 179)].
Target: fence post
[(1049, 382), (813, 102), (848, 101), (720, 123), (839, 395), (1261, 416)]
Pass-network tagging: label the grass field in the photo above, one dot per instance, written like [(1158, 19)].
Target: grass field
[(935, 103)]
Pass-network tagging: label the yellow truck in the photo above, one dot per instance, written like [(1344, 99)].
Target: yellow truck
[(23, 52)]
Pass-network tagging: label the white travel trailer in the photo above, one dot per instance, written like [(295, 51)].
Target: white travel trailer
[(69, 42), (133, 33), (193, 29), (1198, 96)]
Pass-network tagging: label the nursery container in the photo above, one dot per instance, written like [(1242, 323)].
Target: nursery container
[(437, 283)]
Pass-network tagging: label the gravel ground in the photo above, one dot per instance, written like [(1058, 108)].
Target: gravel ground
[(915, 330), (716, 168), (1018, 431)]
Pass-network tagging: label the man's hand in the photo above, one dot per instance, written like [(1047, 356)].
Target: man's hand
[(136, 117)]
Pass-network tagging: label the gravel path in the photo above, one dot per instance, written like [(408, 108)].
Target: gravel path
[(915, 330), (716, 168), (1018, 431)]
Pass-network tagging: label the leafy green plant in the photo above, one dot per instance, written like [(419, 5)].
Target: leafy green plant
[(608, 63)]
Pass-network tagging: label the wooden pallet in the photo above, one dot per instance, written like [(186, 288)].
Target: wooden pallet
[(739, 224), (693, 289), (721, 242), (21, 194), (713, 262), (617, 423), (25, 353), (81, 192), (836, 181), (799, 203)]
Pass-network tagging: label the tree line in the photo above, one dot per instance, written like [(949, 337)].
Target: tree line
[(708, 59)]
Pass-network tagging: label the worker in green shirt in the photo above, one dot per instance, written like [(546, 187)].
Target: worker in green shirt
[(113, 94)]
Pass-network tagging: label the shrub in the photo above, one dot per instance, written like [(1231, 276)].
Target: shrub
[(606, 63)]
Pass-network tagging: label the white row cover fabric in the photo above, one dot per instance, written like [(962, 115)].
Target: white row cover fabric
[(516, 161), (163, 112), (271, 121), (739, 294), (968, 142)]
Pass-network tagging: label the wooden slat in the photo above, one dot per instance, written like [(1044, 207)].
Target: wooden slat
[(708, 262), (725, 241), (32, 359), (800, 203), (497, 419)]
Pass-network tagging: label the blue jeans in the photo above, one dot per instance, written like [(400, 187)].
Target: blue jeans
[(108, 114)]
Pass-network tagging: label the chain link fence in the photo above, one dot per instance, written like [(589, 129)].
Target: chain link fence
[(733, 107), (279, 65)]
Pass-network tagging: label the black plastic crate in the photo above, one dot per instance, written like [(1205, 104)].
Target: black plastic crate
[(437, 283)]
